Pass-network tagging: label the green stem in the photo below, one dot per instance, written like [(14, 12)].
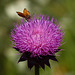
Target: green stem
[(36, 69)]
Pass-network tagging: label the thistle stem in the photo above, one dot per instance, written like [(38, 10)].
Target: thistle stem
[(36, 69)]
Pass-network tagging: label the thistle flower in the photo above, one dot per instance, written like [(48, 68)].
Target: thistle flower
[(38, 40)]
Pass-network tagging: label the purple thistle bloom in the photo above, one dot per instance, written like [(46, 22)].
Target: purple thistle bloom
[(38, 40)]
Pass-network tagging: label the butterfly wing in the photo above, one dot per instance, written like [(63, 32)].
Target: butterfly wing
[(26, 12), (21, 14)]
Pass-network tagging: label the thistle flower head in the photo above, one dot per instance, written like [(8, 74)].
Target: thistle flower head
[(39, 37)]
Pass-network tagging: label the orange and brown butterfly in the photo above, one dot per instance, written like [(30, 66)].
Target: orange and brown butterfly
[(25, 14)]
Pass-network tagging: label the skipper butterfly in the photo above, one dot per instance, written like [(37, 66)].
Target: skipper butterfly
[(25, 14)]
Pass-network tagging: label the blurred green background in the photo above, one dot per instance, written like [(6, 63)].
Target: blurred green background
[(63, 10)]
